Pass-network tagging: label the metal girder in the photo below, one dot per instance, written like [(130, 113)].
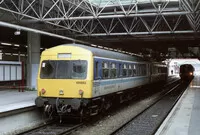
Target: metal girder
[(107, 18)]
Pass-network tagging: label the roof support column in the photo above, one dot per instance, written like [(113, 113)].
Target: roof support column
[(33, 59)]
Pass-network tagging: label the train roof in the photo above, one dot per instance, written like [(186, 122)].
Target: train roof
[(106, 53)]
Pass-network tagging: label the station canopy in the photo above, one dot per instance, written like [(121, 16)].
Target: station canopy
[(120, 24)]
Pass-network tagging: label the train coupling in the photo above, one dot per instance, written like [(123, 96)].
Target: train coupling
[(66, 109), (40, 102)]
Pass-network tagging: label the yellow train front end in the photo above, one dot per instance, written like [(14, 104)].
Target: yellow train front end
[(65, 80)]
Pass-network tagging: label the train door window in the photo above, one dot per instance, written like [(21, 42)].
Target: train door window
[(113, 70), (96, 66), (120, 70), (124, 70), (130, 71), (105, 70)]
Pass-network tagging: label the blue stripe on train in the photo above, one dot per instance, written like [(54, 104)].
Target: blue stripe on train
[(113, 81)]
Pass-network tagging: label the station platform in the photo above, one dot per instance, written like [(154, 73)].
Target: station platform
[(184, 119), (12, 99)]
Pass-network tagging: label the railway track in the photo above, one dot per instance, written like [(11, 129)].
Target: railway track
[(147, 121), (53, 128)]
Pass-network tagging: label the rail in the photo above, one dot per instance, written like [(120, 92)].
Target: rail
[(144, 114)]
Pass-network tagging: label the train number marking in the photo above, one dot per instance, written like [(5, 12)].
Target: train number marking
[(82, 82)]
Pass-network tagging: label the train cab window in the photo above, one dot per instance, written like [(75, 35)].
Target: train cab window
[(105, 70), (130, 71), (124, 70), (63, 69), (113, 70), (79, 69), (47, 69)]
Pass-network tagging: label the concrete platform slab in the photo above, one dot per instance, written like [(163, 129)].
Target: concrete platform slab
[(184, 118), (12, 99)]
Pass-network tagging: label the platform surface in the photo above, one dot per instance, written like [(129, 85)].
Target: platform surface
[(12, 99), (184, 119)]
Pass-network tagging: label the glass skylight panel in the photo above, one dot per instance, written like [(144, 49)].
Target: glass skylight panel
[(108, 3)]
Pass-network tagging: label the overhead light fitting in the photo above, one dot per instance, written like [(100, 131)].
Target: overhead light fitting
[(16, 45), (93, 45), (18, 32), (6, 43)]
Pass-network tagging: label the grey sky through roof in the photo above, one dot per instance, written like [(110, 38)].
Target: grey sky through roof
[(102, 3)]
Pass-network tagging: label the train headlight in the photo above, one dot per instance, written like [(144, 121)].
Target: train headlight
[(191, 73), (61, 92), (81, 92), (43, 91)]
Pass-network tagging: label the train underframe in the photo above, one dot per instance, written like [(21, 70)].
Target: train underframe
[(81, 107)]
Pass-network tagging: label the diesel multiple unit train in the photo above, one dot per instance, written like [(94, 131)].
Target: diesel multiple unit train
[(78, 80), (186, 72)]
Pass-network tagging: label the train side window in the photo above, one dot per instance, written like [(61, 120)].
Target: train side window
[(141, 72), (137, 70), (159, 69), (154, 69), (124, 70), (105, 70), (143, 69), (134, 70), (113, 70), (130, 71)]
